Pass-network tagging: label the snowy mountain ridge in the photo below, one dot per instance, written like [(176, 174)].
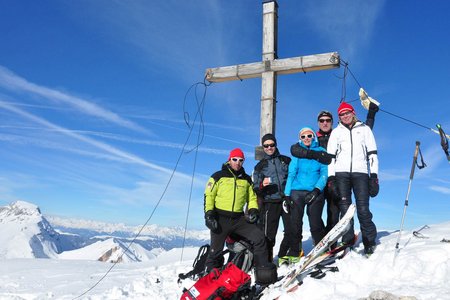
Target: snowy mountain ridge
[(26, 233), (118, 228)]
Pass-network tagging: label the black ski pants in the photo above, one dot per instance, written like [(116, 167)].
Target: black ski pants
[(333, 210), (287, 234), (359, 183), (314, 212), (240, 227), (271, 213)]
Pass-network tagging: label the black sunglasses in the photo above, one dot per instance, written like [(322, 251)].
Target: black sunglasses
[(268, 145), (325, 120), (235, 159)]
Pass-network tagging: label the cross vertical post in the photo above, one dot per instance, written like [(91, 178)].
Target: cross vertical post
[(270, 67), (269, 77)]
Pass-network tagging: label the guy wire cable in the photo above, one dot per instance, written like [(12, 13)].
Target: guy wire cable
[(345, 64), (200, 137), (154, 209)]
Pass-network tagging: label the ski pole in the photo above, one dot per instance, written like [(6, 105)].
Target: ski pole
[(416, 153)]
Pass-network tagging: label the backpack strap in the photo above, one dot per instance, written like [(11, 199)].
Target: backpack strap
[(199, 264)]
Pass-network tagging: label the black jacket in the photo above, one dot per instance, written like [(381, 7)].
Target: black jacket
[(276, 168)]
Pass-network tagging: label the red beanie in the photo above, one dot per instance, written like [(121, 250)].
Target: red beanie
[(345, 107), (236, 153)]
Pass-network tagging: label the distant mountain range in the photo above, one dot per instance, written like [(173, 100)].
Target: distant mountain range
[(26, 233)]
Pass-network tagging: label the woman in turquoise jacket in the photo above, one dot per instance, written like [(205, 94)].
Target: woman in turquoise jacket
[(305, 183)]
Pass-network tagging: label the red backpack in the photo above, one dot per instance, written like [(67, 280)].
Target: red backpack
[(219, 284)]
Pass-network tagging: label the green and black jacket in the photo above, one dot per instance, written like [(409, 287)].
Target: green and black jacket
[(227, 192)]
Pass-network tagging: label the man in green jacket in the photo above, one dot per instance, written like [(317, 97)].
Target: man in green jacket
[(228, 192)]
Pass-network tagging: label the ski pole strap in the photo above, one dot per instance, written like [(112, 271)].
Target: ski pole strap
[(419, 235), (414, 163), (423, 164), (444, 140)]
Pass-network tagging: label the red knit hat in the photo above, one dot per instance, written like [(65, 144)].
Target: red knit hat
[(236, 153), (345, 107)]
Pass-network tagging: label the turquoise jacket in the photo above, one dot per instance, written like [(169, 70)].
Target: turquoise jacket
[(306, 174)]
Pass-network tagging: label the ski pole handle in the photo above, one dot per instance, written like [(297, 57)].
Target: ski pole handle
[(416, 153)]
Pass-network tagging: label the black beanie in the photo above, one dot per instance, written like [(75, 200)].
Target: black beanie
[(324, 113), (267, 137)]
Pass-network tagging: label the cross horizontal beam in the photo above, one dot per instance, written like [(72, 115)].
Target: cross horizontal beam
[(297, 64)]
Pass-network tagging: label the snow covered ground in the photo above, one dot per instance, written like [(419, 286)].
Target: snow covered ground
[(421, 270)]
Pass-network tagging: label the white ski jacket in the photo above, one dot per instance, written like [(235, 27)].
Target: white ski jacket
[(355, 150)]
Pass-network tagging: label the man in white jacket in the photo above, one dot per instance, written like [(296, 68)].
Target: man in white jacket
[(354, 167)]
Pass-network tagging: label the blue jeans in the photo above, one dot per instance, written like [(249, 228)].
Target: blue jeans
[(359, 183)]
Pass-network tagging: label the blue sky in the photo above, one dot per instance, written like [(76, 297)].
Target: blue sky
[(92, 99)]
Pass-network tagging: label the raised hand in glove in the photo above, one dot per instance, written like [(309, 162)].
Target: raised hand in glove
[(373, 107), (211, 221), (374, 187), (332, 186), (311, 196), (287, 204), (253, 215)]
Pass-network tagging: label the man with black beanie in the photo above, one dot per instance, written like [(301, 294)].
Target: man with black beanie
[(269, 180)]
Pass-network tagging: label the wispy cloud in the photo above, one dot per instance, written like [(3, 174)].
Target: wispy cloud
[(157, 38), (46, 144), (353, 29), (392, 175), (12, 81), (111, 136), (163, 117), (126, 157), (433, 157), (440, 189)]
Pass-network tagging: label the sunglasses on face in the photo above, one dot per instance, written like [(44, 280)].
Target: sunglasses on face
[(268, 145), (235, 159), (345, 113), (325, 120), (309, 136)]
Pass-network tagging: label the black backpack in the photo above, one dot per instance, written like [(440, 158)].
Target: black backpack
[(241, 254), (199, 265)]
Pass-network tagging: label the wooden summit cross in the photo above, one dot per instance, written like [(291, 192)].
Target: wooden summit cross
[(270, 67)]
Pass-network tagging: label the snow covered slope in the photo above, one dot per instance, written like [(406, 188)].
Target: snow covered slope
[(110, 250), (421, 271), (25, 233)]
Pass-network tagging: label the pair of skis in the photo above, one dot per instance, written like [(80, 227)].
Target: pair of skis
[(289, 283)]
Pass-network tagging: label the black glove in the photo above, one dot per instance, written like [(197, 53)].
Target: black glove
[(374, 187), (332, 187), (288, 204), (311, 196), (321, 156), (298, 151), (253, 215), (373, 107), (211, 221), (270, 189), (301, 152)]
